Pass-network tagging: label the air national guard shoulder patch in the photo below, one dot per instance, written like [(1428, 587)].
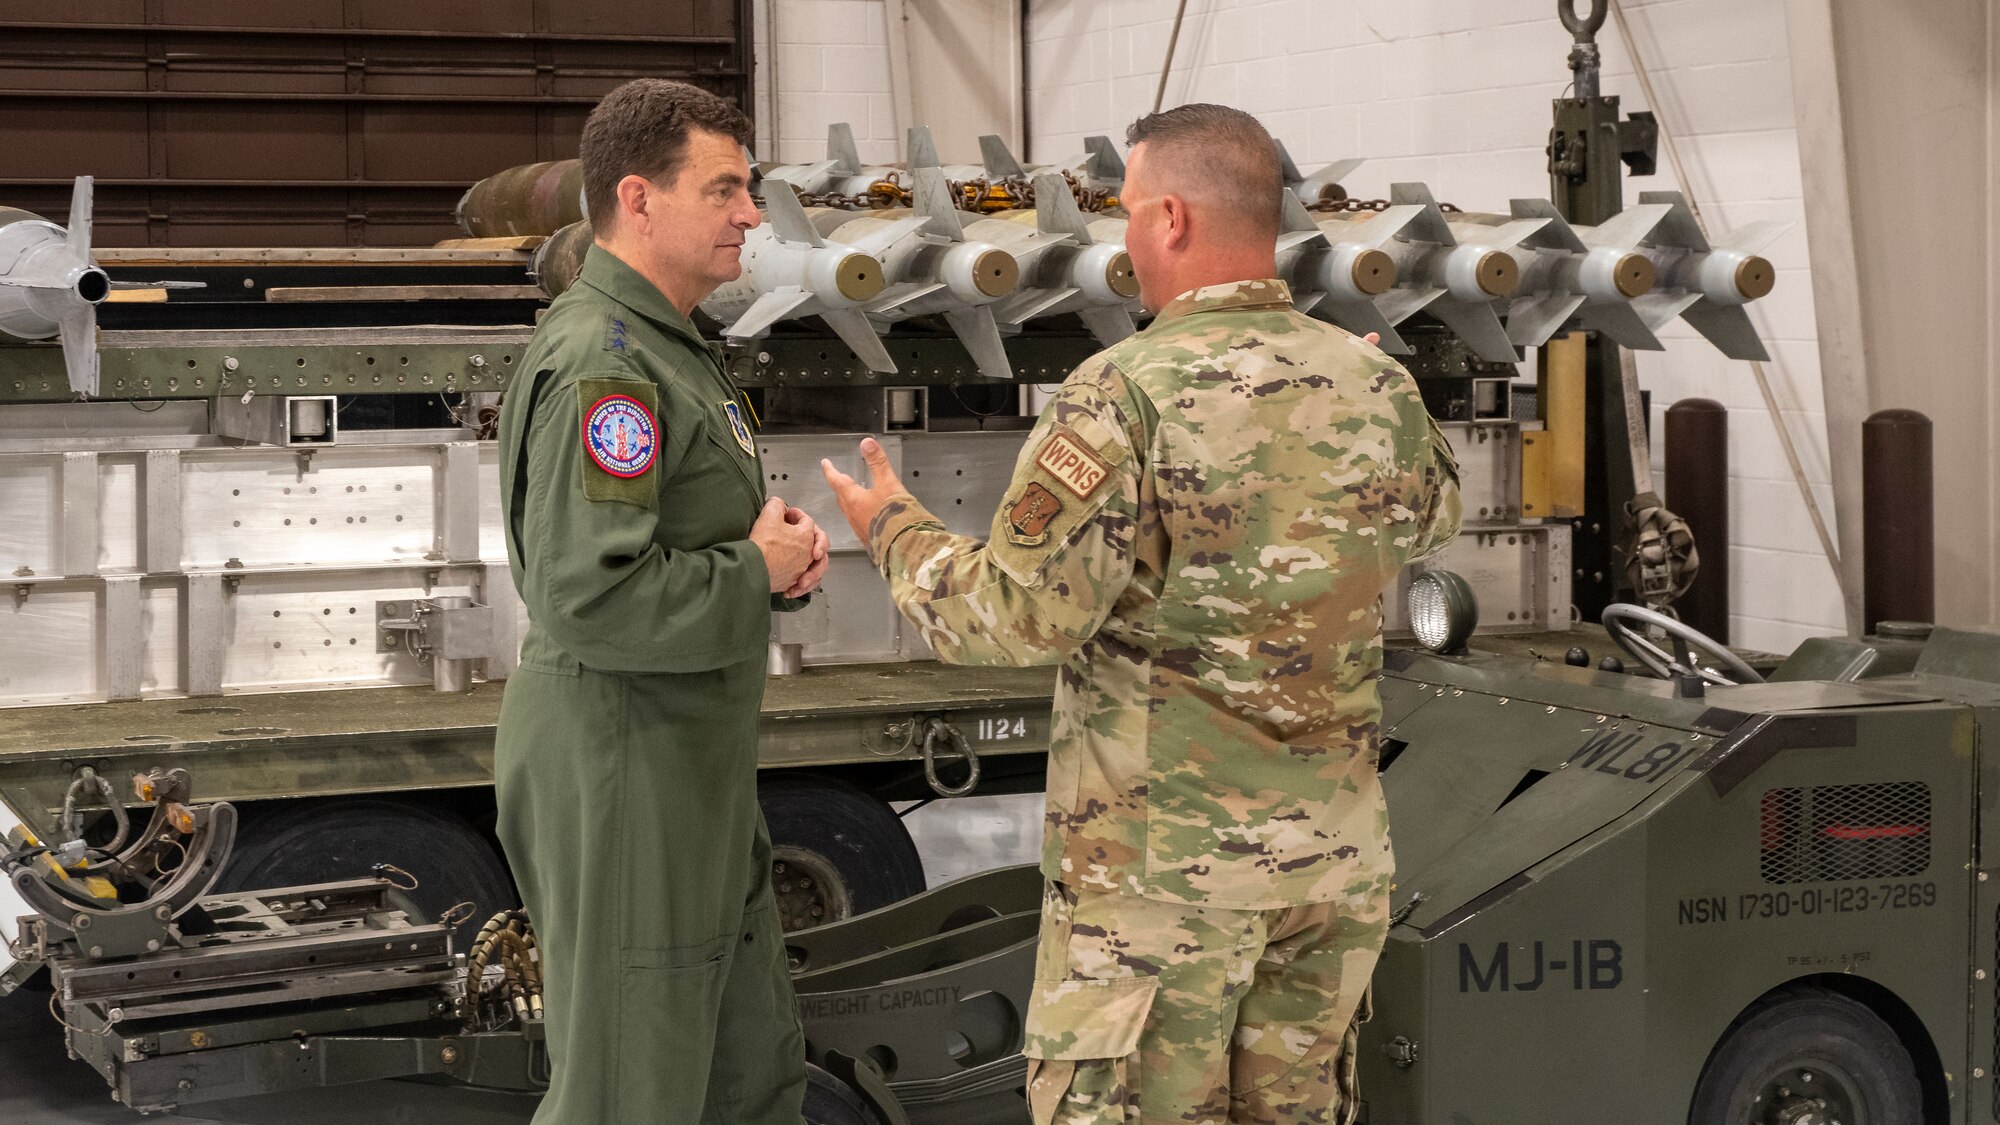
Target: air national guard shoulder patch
[(621, 435), (1029, 517), (734, 412)]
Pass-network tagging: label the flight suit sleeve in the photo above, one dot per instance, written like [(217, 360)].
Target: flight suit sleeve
[(1439, 519), (1060, 551), (596, 580)]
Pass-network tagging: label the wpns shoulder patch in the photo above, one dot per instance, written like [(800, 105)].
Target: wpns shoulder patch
[(1072, 463), (621, 436)]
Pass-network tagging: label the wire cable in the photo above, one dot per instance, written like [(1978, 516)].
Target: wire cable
[(1173, 40)]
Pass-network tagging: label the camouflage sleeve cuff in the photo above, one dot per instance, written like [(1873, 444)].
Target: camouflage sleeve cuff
[(898, 514)]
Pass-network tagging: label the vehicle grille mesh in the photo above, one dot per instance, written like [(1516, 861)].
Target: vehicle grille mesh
[(1827, 833)]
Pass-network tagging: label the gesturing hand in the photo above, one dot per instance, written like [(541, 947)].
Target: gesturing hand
[(860, 504)]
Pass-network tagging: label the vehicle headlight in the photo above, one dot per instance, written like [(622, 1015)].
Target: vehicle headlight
[(1443, 610)]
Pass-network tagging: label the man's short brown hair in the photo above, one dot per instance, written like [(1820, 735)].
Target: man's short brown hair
[(1223, 154), (641, 129)]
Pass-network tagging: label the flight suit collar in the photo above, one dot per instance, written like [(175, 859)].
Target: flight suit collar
[(609, 275), (1261, 293)]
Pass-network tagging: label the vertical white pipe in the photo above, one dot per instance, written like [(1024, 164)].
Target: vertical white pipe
[(900, 96)]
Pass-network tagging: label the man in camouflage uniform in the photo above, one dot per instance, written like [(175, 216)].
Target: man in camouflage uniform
[(1199, 530)]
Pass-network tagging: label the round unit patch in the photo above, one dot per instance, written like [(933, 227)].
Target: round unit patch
[(621, 435)]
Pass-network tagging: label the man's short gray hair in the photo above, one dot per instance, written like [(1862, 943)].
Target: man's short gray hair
[(1225, 150)]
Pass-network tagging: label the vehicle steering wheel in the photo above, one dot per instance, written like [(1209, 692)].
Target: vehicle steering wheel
[(1625, 621)]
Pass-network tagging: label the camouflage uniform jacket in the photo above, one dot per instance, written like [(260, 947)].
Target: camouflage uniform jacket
[(1200, 529)]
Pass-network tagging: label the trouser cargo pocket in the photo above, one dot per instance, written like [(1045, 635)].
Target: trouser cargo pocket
[(1083, 1049)]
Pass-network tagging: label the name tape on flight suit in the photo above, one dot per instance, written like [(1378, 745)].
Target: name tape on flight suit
[(1073, 465)]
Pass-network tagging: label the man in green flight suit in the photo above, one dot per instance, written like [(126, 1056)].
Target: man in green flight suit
[(1199, 530), (650, 561)]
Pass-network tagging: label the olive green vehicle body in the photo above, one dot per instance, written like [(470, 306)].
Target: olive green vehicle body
[(287, 745), (1595, 878)]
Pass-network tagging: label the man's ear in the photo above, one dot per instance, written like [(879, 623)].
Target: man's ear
[(1177, 216), (633, 200)]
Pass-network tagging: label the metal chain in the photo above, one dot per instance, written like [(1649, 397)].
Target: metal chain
[(977, 196), (986, 196), (883, 195), (1338, 206)]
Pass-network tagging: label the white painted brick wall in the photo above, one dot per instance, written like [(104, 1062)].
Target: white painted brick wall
[(1456, 93), (829, 62)]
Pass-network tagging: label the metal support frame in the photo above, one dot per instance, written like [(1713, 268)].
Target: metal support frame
[(202, 643), (124, 637), (160, 552), (458, 503), (81, 525), (194, 364), (496, 589), (1591, 145)]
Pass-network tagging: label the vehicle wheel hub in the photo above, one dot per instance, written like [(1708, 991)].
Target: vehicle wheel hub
[(808, 888), (1808, 1096)]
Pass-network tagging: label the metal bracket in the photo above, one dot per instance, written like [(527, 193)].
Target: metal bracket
[(1639, 142), (450, 627), (293, 421), (446, 632)]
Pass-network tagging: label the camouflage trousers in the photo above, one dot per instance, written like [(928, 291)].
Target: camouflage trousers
[(1149, 1012)]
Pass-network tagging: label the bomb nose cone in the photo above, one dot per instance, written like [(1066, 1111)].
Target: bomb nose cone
[(1755, 277), (859, 277), (996, 273), (1374, 272), (1633, 275), (1497, 273), (1119, 276)]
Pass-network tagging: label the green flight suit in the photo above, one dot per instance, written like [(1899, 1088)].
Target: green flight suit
[(626, 759)]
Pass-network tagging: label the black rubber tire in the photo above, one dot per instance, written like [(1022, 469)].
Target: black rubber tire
[(1833, 1035), (857, 835), (344, 838), (829, 1101)]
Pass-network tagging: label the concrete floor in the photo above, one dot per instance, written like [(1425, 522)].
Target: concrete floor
[(40, 1086)]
